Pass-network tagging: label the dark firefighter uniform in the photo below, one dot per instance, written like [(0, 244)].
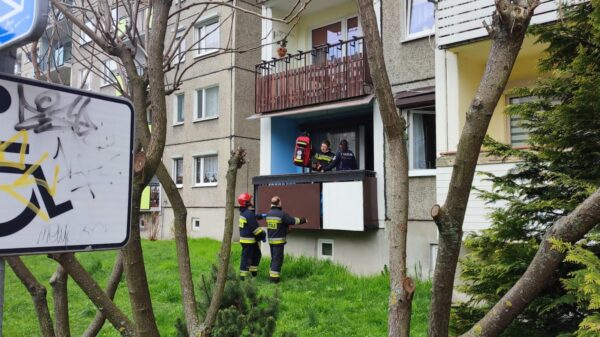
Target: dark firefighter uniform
[(277, 227), (343, 160), (322, 159), (250, 236)]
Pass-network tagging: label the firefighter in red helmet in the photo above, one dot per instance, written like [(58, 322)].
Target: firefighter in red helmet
[(250, 236)]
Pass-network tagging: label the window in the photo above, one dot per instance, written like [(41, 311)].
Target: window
[(179, 44), (59, 56), (195, 224), (207, 36), (421, 138), (178, 171), (325, 249), (206, 170), (110, 72), (207, 103), (519, 136), (18, 64), (332, 34), (420, 18), (84, 38), (85, 79), (178, 109)]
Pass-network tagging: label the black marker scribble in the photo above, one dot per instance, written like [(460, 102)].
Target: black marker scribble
[(57, 234), (48, 115), (58, 148)]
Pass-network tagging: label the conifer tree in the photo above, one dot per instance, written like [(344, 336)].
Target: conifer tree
[(558, 171)]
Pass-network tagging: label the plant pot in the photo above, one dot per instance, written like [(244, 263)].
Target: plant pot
[(281, 51)]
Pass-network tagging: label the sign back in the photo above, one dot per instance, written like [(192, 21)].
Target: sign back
[(65, 168), (22, 21)]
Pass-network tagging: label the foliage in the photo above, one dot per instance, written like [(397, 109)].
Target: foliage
[(558, 171), (584, 284)]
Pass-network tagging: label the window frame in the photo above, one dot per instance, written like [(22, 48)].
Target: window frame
[(200, 35), (176, 120), (107, 78), (203, 156), (193, 224), (320, 243), (83, 37), (344, 27), (88, 79), (407, 16), (174, 171), (409, 115), (202, 110)]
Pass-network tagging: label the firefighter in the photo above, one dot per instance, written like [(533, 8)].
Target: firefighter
[(277, 227), (324, 157), (250, 236), (344, 159)]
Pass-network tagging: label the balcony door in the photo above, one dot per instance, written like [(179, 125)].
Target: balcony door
[(324, 37)]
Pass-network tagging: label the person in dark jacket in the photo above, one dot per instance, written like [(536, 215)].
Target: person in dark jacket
[(324, 157), (277, 228), (344, 159), (250, 236)]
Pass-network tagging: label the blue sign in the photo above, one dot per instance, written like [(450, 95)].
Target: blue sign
[(22, 21)]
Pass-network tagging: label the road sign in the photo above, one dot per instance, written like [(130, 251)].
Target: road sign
[(22, 21), (65, 168)]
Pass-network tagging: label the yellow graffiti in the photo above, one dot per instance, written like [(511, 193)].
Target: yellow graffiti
[(26, 178)]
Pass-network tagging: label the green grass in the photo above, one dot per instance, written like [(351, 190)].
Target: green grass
[(318, 298)]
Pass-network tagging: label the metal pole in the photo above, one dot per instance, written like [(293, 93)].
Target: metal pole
[(7, 65)]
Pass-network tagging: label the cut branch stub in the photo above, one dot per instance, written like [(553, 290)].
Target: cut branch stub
[(139, 161)]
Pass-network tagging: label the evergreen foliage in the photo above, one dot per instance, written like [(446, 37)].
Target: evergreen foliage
[(558, 171), (244, 312)]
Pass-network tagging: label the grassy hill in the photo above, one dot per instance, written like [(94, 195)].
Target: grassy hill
[(318, 298)]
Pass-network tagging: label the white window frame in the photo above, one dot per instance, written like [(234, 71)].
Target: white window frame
[(320, 243), (408, 36), (525, 99), (195, 224), (174, 170), (176, 107), (107, 78), (88, 79), (202, 110), (412, 172), (200, 32), (195, 173), (179, 56)]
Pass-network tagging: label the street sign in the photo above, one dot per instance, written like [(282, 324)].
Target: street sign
[(65, 168), (22, 21)]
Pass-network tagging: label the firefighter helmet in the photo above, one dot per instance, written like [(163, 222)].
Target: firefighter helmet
[(244, 199)]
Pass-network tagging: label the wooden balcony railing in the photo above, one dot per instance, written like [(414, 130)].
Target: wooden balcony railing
[(324, 74)]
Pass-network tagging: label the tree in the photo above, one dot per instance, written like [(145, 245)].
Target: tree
[(396, 177)]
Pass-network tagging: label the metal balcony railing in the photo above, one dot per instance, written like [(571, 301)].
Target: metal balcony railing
[(327, 73)]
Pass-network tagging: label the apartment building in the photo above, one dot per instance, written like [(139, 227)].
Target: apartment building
[(206, 116), (322, 87)]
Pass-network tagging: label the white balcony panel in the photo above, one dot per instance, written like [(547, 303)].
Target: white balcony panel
[(460, 21), (343, 206)]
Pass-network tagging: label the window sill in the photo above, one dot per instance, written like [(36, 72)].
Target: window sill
[(178, 124), (179, 186), (201, 55), (205, 119), (421, 173), (206, 185), (418, 36)]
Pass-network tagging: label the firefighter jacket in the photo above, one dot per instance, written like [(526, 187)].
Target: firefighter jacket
[(343, 160), (277, 225), (322, 159), (250, 232)]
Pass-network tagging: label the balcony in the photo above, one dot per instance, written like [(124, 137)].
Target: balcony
[(344, 200), (328, 73), (460, 21)]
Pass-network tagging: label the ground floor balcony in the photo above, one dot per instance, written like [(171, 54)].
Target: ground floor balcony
[(340, 200)]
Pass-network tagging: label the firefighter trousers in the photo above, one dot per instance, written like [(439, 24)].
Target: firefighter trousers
[(276, 262), (251, 256)]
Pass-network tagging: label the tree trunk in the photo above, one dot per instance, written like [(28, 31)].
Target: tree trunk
[(570, 228), (509, 23), (236, 161), (183, 252), (396, 177), (111, 289), (58, 281), (37, 292), (115, 316)]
